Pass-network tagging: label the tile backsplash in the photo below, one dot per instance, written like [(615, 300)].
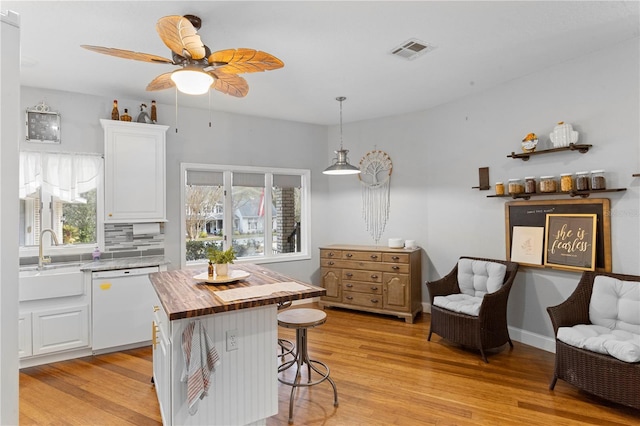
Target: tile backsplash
[(118, 237)]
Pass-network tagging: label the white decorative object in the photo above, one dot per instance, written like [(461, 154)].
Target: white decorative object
[(563, 135), (396, 243), (410, 244), (375, 175)]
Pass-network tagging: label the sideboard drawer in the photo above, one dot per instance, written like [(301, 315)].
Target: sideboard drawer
[(362, 299), (330, 254), (361, 287), (395, 257), (369, 256), (367, 276)]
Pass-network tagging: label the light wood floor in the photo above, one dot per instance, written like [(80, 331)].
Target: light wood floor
[(385, 370)]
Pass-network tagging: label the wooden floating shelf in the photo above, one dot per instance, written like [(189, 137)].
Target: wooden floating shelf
[(524, 156), (581, 194)]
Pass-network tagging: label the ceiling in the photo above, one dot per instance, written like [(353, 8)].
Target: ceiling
[(330, 49)]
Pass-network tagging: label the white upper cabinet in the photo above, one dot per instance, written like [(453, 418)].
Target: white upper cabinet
[(135, 183)]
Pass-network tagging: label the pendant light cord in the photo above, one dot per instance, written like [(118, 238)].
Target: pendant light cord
[(340, 99)]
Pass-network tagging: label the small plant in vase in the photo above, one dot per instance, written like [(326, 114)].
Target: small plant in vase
[(222, 259)]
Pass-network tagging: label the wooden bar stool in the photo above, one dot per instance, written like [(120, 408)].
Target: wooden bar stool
[(302, 320), (286, 346)]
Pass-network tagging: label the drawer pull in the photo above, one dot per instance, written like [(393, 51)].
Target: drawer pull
[(331, 262), (331, 254), (349, 285), (349, 274), (374, 288), (395, 268), (374, 276), (395, 258), (374, 300), (349, 255), (374, 256), (349, 297)]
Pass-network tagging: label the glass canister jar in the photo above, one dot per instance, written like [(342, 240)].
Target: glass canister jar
[(582, 181), (499, 188), (548, 184), (529, 185), (597, 180), (566, 182), (515, 186)]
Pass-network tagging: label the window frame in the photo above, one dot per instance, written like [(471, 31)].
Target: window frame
[(228, 170)]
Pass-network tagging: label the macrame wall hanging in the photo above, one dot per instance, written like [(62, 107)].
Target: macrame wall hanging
[(375, 175)]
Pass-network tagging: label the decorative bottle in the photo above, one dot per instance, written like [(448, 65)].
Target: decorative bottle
[(125, 116), (154, 112), (210, 270), (115, 114)]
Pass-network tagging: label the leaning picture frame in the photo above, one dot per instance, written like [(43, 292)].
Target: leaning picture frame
[(42, 125), (570, 241)]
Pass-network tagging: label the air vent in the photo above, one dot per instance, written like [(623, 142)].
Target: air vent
[(411, 49)]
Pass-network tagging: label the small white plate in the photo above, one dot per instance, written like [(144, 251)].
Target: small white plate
[(234, 275)]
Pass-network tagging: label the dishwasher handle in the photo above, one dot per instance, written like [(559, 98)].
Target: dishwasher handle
[(121, 273)]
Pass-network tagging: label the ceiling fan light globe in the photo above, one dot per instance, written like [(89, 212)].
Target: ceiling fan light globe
[(192, 82)]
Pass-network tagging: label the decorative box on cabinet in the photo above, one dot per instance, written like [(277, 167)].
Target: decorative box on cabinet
[(135, 183), (373, 279)]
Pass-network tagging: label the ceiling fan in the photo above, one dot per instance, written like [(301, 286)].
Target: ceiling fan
[(200, 69)]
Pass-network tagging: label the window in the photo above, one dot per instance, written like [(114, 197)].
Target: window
[(261, 212), (59, 192)]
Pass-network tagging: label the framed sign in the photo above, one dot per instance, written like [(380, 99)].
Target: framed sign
[(533, 214), (43, 125), (571, 241)]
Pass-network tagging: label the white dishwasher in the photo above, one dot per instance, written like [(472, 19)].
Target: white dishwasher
[(122, 307)]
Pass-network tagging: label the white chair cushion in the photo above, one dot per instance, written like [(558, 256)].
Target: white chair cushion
[(620, 344), (479, 277), (462, 303), (615, 304)]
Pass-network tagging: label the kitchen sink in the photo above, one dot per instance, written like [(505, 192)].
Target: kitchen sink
[(53, 280)]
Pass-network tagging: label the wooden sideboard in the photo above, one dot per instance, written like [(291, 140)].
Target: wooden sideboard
[(373, 279)]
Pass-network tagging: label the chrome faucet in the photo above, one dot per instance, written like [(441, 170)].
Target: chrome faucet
[(41, 259)]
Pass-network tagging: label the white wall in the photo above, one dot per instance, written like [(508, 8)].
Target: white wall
[(9, 119), (436, 155)]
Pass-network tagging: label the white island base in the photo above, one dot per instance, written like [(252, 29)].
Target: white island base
[(244, 386)]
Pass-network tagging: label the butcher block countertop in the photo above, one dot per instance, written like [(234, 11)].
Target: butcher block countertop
[(182, 296)]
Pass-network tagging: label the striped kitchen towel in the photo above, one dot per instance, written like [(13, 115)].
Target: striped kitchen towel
[(201, 359)]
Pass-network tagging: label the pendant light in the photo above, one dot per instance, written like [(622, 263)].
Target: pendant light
[(341, 164)]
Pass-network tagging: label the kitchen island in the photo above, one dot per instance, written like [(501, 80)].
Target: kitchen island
[(244, 386)]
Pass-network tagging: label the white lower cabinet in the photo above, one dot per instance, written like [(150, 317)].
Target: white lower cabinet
[(53, 330), (60, 329), (162, 363)]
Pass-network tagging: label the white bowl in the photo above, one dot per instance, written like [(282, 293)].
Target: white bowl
[(396, 243)]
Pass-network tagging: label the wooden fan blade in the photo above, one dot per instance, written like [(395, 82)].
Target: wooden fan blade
[(239, 61), (230, 84), (161, 82), (128, 54), (179, 35)]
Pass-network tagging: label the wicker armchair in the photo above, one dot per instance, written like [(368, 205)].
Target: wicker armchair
[(486, 330), (599, 374)]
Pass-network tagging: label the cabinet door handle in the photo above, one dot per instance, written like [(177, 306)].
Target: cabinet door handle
[(395, 268), (374, 288), (349, 255), (156, 308), (154, 334), (349, 285), (395, 258), (349, 298), (374, 276), (374, 256), (374, 300), (349, 274)]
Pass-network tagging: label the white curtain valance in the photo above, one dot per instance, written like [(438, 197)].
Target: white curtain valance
[(65, 176)]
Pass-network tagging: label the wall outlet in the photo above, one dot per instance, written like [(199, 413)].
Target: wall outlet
[(232, 340)]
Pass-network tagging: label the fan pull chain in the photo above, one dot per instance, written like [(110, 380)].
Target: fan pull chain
[(176, 109), (210, 112)]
